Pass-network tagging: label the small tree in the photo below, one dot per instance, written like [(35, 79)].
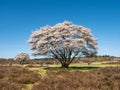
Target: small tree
[(64, 42), (22, 57)]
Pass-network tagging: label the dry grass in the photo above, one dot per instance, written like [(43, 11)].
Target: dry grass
[(19, 78), (100, 79), (16, 77), (31, 76)]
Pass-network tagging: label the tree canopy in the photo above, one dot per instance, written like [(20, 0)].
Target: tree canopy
[(21, 57), (64, 41)]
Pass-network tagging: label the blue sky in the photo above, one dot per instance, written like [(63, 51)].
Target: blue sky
[(19, 18)]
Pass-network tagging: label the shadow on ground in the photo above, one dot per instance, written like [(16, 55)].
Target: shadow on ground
[(72, 68)]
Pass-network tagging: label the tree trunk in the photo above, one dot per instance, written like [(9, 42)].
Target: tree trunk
[(65, 65), (64, 55), (21, 62)]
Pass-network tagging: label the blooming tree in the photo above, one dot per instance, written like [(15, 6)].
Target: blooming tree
[(64, 42), (22, 57)]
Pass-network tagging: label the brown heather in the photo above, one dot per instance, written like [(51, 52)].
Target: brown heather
[(17, 78), (100, 79)]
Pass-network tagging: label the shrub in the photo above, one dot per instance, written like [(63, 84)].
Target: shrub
[(14, 76), (99, 79), (5, 85)]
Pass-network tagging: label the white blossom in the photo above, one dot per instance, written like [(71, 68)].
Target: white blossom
[(22, 56), (61, 35)]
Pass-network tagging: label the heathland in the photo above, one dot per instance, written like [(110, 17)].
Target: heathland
[(97, 73)]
